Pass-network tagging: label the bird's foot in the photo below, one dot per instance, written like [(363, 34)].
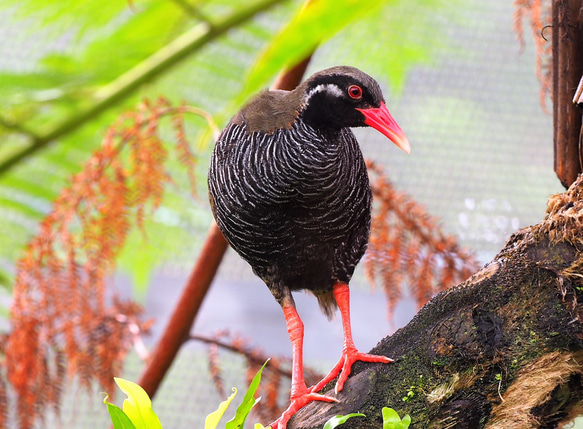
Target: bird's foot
[(344, 367), (298, 401)]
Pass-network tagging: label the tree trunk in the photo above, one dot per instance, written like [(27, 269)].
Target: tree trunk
[(503, 350), (567, 71)]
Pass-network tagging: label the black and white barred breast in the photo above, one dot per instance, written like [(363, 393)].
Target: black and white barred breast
[(295, 203)]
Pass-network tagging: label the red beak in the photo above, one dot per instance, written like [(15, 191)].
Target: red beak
[(380, 119)]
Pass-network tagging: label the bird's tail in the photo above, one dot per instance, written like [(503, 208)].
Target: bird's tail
[(327, 302)]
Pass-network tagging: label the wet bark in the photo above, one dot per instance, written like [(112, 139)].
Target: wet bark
[(504, 349)]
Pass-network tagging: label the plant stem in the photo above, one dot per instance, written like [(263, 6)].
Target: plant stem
[(178, 328)]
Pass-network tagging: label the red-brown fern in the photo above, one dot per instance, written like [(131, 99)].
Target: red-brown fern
[(538, 13), (407, 247), (62, 319)]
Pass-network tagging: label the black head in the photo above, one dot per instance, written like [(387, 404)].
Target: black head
[(344, 96), (333, 95)]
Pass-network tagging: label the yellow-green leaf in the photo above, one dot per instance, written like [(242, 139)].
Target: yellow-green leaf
[(247, 404), (391, 419), (119, 419), (212, 420), (315, 23), (137, 406)]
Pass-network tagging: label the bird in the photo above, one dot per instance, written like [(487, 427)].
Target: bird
[(289, 190)]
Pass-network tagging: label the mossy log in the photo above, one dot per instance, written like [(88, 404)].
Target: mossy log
[(502, 350)]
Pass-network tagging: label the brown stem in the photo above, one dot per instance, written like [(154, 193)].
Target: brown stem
[(291, 77), (178, 327), (251, 356), (181, 321)]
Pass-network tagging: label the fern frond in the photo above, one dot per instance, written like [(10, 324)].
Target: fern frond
[(63, 320), (539, 14)]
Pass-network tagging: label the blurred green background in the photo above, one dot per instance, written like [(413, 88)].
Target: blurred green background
[(455, 78)]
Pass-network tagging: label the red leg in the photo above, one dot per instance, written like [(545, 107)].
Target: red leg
[(349, 352), (300, 395)]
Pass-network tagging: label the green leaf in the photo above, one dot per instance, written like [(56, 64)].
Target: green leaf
[(317, 22), (391, 419), (138, 406), (338, 420), (6, 283), (76, 16), (248, 403), (119, 419), (212, 420)]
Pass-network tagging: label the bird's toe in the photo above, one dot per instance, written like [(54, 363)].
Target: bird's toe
[(297, 403)]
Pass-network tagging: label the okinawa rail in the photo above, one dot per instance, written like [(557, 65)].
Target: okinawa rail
[(290, 192)]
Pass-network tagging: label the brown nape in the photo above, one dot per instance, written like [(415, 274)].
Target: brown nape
[(270, 111)]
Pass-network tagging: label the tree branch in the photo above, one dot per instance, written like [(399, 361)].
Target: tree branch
[(158, 63), (249, 355), (502, 350), (178, 329)]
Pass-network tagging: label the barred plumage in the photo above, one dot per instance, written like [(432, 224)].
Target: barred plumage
[(289, 190), (295, 204)]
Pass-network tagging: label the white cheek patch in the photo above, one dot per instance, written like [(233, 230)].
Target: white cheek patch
[(330, 88)]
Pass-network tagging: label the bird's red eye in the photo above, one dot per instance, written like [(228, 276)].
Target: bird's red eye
[(355, 91)]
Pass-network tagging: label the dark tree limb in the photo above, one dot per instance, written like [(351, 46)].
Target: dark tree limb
[(502, 350), (567, 71)]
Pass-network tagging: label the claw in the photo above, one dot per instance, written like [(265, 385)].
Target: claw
[(301, 395), (344, 368), (349, 352), (297, 403)]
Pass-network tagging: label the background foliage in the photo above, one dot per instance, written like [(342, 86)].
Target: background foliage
[(87, 47), (70, 69)]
